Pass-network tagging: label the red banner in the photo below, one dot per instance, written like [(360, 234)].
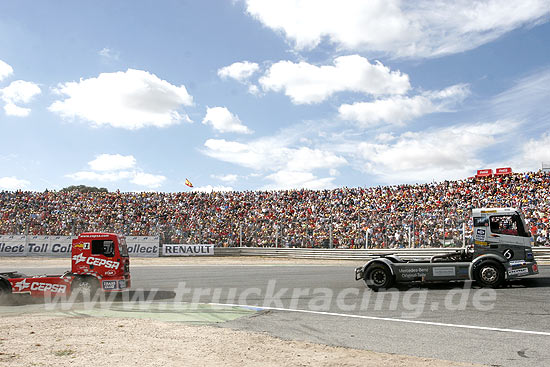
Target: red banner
[(484, 173), (503, 171)]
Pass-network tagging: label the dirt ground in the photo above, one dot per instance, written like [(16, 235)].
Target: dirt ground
[(38, 340)]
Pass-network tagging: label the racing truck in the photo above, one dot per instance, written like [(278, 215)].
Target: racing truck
[(100, 261), (500, 250)]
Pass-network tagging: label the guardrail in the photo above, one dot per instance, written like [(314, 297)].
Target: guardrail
[(541, 253)]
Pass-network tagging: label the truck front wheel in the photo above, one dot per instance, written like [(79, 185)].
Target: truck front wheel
[(378, 277), (489, 274), (85, 287)]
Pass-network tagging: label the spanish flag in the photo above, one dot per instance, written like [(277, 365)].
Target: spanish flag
[(188, 183)]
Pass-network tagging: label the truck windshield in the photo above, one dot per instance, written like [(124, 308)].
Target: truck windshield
[(103, 247), (511, 225)]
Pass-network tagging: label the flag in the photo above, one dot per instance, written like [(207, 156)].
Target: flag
[(188, 183)]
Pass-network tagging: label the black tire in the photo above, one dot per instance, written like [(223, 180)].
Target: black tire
[(378, 277), (85, 287), (489, 274)]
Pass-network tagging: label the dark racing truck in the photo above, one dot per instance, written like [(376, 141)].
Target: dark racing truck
[(500, 250), (100, 261)]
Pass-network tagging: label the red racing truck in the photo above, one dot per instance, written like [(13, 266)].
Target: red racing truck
[(99, 261)]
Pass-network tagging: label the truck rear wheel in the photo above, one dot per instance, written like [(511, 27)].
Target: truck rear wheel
[(85, 287), (489, 274), (378, 276)]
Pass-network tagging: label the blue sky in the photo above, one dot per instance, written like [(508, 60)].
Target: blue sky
[(262, 95)]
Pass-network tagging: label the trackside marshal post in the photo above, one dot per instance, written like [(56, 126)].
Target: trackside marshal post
[(188, 250)]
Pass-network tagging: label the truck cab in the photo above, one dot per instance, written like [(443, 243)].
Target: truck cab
[(103, 256), (501, 250), (99, 261), (502, 234)]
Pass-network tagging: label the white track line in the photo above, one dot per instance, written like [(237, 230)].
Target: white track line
[(459, 326)]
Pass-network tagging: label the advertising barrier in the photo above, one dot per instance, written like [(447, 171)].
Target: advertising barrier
[(503, 171), (13, 245), (188, 250), (60, 246), (49, 246), (143, 246), (484, 173)]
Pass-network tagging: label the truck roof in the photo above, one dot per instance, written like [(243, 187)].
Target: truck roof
[(480, 211), (96, 234)]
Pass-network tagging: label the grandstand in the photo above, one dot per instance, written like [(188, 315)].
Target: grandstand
[(422, 215)]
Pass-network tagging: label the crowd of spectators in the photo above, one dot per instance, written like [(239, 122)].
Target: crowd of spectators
[(421, 215)]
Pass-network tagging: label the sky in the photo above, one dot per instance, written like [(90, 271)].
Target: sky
[(270, 95)]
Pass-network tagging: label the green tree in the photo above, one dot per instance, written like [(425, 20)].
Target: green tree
[(84, 188)]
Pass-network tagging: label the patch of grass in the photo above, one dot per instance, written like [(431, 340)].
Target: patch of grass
[(63, 352)]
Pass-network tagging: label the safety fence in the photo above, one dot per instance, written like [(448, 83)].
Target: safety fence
[(541, 253), (150, 246)]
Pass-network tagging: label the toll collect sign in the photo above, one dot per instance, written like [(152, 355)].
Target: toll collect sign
[(188, 250), (143, 246), (50, 246), (13, 245)]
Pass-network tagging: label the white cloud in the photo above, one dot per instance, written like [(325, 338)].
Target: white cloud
[(306, 83), (13, 110), (285, 180), (398, 109), (108, 54), (253, 89), (271, 154), (306, 159), (100, 176), (5, 70), (222, 120), (18, 91), (130, 100), (286, 166), (116, 167), (239, 71), (421, 28), (210, 188), (537, 151), (439, 154), (135, 177), (229, 178), (13, 183), (148, 180), (112, 162), (527, 100)]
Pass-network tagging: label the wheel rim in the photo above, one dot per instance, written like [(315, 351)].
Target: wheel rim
[(489, 274), (378, 277)]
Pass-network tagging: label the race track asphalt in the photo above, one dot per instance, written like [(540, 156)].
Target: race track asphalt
[(458, 321)]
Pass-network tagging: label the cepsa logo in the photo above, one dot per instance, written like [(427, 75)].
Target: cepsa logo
[(39, 286), (96, 261)]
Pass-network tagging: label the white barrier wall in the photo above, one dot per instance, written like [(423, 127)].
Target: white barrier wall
[(60, 246), (13, 245), (49, 246), (188, 250), (143, 246)]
